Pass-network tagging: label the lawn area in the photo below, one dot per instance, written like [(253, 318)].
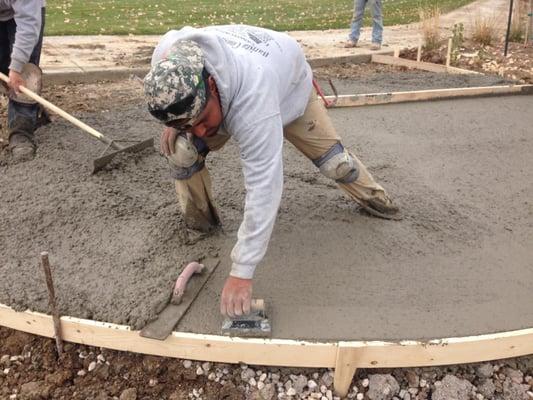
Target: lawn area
[(85, 17)]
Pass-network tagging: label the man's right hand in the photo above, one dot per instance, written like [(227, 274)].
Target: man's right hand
[(236, 297), (15, 81), (168, 138)]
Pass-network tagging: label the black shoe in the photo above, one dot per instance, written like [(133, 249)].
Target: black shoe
[(43, 118)]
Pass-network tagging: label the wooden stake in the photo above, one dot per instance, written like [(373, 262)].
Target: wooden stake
[(528, 23), (419, 52), (52, 301), (345, 368), (449, 54), (396, 52)]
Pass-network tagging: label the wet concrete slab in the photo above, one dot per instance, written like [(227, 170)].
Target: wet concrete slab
[(459, 263)]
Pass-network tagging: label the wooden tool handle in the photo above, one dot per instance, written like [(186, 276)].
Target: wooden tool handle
[(59, 112), (257, 305), (181, 283)]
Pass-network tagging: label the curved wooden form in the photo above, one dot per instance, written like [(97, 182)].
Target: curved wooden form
[(345, 356)]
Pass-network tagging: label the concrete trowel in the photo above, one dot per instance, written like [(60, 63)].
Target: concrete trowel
[(32, 75), (188, 286)]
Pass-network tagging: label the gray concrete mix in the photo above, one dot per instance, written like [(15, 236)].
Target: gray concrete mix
[(459, 263)]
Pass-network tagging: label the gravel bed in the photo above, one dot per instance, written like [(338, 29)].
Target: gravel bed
[(30, 370)]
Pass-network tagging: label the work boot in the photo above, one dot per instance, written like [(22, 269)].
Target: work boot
[(43, 118), (350, 44), (381, 207), (375, 46), (21, 139)]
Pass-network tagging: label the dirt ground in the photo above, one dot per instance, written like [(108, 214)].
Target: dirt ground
[(517, 66), (116, 239), (377, 78)]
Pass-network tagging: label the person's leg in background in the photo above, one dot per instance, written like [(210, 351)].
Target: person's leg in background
[(377, 25), (357, 22), (22, 118), (5, 56), (314, 135)]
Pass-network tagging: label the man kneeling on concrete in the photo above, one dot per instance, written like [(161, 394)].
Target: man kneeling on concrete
[(21, 38), (255, 86)]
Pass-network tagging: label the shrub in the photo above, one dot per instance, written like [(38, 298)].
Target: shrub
[(484, 30), (430, 27)]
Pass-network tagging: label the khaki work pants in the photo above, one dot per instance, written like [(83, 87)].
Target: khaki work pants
[(313, 134)]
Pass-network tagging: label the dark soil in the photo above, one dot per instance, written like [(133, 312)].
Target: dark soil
[(39, 374)]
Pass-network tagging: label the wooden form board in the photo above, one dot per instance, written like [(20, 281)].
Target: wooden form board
[(357, 100), (344, 356), (91, 75), (425, 66), (359, 58), (179, 345)]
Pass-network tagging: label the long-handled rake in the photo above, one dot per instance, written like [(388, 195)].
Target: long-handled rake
[(32, 73)]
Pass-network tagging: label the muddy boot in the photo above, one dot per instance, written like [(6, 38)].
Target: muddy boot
[(381, 207), (21, 141), (350, 44)]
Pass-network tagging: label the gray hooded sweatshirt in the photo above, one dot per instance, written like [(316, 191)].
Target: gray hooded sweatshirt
[(27, 15), (264, 84)]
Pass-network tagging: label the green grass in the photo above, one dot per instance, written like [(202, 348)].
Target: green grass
[(90, 17)]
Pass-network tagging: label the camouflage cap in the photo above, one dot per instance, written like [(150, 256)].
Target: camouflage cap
[(174, 88)]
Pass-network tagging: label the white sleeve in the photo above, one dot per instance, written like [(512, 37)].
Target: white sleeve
[(261, 148), (28, 19)]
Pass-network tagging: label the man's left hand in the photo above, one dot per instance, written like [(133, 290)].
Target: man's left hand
[(15, 81), (236, 297)]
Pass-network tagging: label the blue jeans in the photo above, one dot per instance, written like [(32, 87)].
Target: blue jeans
[(7, 39), (357, 21)]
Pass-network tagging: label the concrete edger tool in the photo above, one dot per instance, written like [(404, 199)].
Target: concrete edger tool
[(255, 324), (32, 76)]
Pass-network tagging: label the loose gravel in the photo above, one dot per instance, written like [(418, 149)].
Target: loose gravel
[(29, 369)]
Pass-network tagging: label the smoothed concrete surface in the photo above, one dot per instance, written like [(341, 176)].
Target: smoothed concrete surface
[(459, 264)]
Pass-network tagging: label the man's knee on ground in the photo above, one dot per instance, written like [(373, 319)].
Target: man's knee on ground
[(183, 173), (338, 164)]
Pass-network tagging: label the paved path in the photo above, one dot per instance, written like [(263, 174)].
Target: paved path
[(77, 54)]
